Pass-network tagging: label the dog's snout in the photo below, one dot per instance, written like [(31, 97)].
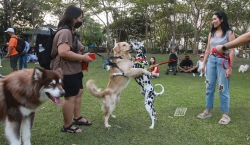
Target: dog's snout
[(62, 92)]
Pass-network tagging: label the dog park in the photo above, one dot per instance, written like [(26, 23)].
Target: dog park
[(132, 121)]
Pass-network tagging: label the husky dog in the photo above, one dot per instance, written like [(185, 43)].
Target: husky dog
[(21, 93)]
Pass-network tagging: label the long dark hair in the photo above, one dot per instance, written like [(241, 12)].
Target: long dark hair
[(153, 62), (224, 24), (70, 13)]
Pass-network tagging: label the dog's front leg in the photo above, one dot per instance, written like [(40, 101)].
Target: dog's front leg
[(26, 128), (136, 72), (12, 131)]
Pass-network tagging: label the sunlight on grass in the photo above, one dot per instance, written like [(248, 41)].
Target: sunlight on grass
[(131, 125)]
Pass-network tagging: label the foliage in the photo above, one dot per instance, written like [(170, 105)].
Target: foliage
[(92, 32), (150, 21)]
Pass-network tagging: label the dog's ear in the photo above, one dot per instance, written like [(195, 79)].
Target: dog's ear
[(144, 50), (117, 49), (59, 70), (38, 73)]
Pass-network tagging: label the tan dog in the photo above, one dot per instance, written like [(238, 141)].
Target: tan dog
[(117, 82)]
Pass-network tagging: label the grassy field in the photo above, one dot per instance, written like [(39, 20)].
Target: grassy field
[(131, 125)]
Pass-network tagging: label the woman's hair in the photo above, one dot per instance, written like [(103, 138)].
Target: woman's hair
[(224, 24), (70, 13), (150, 61)]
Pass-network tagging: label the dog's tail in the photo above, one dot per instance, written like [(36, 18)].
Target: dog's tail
[(162, 91), (94, 90)]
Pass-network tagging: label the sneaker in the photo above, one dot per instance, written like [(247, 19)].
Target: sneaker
[(201, 75), (194, 74)]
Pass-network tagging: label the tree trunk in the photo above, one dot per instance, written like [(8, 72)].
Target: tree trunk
[(108, 36)]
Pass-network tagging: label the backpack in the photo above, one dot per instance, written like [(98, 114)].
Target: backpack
[(20, 45), (43, 47)]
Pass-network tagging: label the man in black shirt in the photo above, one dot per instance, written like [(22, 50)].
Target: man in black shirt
[(186, 65)]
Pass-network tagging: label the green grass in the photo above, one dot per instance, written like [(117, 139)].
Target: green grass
[(131, 125)]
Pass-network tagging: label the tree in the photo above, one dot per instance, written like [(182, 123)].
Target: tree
[(92, 32)]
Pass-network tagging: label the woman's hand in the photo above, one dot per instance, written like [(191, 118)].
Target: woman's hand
[(86, 58), (228, 73)]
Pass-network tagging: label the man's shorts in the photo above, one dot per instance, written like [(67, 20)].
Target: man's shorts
[(72, 84), (13, 60)]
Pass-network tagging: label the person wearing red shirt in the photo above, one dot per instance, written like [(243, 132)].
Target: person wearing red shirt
[(154, 70)]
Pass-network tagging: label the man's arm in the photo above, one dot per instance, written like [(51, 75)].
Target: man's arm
[(9, 51)]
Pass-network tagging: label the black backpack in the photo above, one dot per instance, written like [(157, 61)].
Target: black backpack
[(20, 45), (43, 47)]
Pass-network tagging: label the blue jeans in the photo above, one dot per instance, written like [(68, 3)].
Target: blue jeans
[(214, 70), (23, 61)]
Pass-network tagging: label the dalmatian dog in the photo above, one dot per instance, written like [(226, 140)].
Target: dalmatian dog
[(144, 81)]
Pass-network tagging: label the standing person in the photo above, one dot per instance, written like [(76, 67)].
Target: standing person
[(220, 34), (154, 70), (12, 52), (23, 58), (68, 58)]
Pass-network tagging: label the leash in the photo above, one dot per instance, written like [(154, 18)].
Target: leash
[(110, 63), (215, 51)]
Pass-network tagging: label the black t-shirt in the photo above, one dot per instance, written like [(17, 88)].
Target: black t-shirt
[(186, 62)]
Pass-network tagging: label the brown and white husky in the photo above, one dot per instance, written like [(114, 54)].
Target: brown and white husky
[(21, 93)]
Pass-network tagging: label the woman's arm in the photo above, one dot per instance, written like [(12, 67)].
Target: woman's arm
[(65, 52)]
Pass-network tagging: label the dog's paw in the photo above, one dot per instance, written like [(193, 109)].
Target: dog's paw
[(113, 116), (107, 126), (151, 127)]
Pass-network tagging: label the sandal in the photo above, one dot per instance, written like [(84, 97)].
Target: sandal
[(69, 129), (204, 115), (77, 122), (224, 120)]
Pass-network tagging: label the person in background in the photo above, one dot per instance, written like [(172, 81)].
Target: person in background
[(154, 67), (12, 52), (220, 34), (5, 47), (68, 57), (133, 59), (198, 66), (23, 58), (186, 65)]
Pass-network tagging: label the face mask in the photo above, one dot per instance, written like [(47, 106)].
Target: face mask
[(78, 24)]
